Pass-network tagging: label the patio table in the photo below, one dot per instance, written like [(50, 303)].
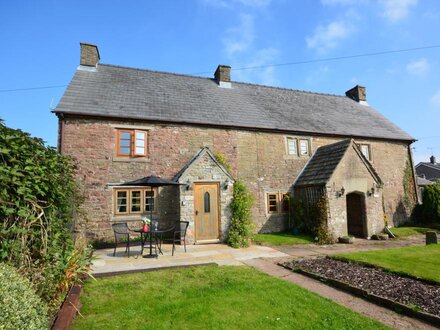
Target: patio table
[(151, 235)]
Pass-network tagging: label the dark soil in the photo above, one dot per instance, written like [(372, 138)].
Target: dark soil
[(405, 290)]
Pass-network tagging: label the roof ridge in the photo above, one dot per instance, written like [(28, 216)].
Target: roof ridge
[(208, 78)]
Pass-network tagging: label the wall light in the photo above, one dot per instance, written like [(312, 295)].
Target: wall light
[(226, 184), (188, 185)]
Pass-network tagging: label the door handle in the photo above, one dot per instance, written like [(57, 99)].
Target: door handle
[(197, 212)]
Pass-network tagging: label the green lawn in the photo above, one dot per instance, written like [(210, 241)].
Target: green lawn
[(418, 261), (209, 297), (283, 239), (409, 231)]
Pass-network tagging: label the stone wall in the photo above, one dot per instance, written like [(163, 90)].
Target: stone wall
[(259, 159), (354, 177)]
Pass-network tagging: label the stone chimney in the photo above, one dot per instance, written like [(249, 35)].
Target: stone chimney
[(357, 93), (432, 159), (223, 76), (89, 55)]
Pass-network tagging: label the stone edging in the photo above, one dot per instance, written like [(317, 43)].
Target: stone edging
[(390, 304)]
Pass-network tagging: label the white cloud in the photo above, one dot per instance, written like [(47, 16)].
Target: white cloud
[(328, 37), (418, 67), (435, 99), (396, 10), (241, 37), (265, 76)]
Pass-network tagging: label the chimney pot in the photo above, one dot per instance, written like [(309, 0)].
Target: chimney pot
[(357, 93), (432, 159), (89, 54), (223, 76)]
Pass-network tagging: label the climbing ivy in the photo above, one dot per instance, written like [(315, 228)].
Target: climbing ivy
[(409, 198), (221, 158), (319, 214)]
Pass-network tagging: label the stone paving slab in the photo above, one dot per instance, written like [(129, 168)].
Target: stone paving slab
[(221, 254)]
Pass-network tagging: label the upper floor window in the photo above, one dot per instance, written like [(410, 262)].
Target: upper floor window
[(298, 146), (304, 147), (131, 143), (292, 147), (366, 150)]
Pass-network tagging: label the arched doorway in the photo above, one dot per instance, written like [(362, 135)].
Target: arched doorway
[(356, 219)]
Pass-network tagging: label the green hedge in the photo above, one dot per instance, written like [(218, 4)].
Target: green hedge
[(20, 306), (39, 199), (430, 209)]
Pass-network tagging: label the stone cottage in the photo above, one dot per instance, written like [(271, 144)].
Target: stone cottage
[(122, 124)]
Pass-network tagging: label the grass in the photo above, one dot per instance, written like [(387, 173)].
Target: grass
[(283, 239), (409, 231), (417, 261), (210, 297)]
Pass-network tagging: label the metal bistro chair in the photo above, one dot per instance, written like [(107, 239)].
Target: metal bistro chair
[(179, 232), (121, 232)]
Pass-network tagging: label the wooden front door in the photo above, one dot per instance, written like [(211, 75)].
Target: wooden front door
[(206, 211)]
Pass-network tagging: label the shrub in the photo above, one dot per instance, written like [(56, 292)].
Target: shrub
[(241, 228), (20, 307), (431, 204), (38, 201)]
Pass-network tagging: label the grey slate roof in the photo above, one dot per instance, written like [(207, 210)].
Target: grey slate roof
[(114, 91), (324, 161)]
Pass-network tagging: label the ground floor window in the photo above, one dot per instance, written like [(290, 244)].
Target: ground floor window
[(135, 201), (277, 202)]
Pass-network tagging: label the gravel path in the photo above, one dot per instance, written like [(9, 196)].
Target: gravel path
[(407, 291)]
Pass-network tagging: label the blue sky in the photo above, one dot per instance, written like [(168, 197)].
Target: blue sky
[(40, 47)]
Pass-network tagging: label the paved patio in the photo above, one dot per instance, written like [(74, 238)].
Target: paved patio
[(220, 254)]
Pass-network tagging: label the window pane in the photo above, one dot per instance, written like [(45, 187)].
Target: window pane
[(365, 150), (140, 143), (124, 143), (304, 144), (136, 201), (149, 201), (291, 144), (272, 203), (140, 150), (207, 200), (121, 202), (124, 150), (125, 135), (140, 135)]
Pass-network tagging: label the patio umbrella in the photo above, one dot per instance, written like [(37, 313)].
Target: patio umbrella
[(151, 181)]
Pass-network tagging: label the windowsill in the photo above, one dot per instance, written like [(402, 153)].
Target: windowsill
[(131, 159), (296, 157)]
